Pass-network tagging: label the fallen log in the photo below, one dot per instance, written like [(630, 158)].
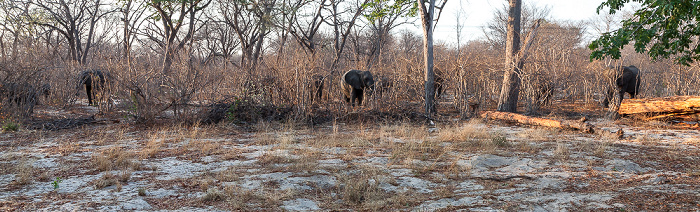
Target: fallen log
[(663, 105), (565, 124)]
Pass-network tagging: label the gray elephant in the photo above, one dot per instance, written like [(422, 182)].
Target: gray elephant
[(94, 81), (439, 84), (316, 88), (353, 83), (627, 82)]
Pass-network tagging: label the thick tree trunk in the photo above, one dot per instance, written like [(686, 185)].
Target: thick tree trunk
[(508, 100), (675, 104), (427, 20), (565, 124)]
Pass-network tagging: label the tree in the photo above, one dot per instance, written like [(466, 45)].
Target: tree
[(74, 20), (508, 100), (252, 21), (662, 29), (172, 14), (428, 20)]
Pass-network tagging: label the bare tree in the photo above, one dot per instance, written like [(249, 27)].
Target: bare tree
[(172, 16), (132, 13), (495, 30), (427, 14), (342, 24), (305, 22), (74, 20), (508, 100), (380, 27), (251, 21)]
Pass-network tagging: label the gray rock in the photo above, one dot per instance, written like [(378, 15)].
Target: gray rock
[(624, 166), (300, 205), (136, 204)]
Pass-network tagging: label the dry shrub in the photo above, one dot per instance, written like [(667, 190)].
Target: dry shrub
[(115, 158), (562, 151), (466, 132), (361, 187), (214, 194)]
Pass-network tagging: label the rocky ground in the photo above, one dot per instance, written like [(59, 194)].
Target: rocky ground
[(461, 165)]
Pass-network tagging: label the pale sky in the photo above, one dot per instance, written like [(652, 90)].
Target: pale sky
[(478, 12)]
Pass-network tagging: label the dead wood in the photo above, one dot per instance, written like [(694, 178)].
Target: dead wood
[(565, 124), (681, 105)]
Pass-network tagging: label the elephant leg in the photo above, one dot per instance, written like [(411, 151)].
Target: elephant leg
[(619, 100), (88, 91), (353, 96), (360, 96)]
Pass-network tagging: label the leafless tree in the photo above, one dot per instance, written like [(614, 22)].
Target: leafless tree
[(343, 16), (251, 21), (74, 20), (172, 15), (508, 100), (428, 19)]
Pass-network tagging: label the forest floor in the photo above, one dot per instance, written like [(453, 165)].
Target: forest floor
[(472, 165)]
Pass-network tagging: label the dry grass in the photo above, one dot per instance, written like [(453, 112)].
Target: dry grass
[(361, 187), (466, 132), (214, 194), (116, 158), (24, 173), (110, 179), (537, 134), (561, 151), (646, 140), (153, 146)]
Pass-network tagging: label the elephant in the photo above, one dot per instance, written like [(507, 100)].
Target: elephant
[(94, 80), (439, 83), (383, 85), (21, 95), (627, 82), (353, 83), (316, 89)]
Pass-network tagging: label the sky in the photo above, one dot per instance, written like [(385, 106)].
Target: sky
[(478, 12)]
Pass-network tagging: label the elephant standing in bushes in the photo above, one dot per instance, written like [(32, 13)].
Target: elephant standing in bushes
[(353, 83), (627, 82), (94, 81), (316, 88), (439, 84)]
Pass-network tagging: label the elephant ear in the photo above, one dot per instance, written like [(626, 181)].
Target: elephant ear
[(354, 79)]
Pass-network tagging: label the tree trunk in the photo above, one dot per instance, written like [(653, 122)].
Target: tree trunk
[(675, 104), (508, 100), (427, 20), (565, 124)]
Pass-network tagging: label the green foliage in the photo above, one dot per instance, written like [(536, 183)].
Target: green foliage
[(232, 109), (662, 29), (56, 182), (381, 8), (10, 126)]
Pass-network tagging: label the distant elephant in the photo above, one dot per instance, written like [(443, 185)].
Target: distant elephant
[(316, 89), (94, 81), (353, 83), (439, 83), (383, 85), (23, 96), (627, 82)]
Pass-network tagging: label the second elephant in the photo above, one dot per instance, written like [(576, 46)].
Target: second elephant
[(94, 81), (353, 84), (627, 82)]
